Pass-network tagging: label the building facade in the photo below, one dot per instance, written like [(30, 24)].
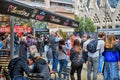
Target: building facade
[(104, 13)]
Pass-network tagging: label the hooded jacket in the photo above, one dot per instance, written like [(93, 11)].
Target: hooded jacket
[(20, 67), (41, 67)]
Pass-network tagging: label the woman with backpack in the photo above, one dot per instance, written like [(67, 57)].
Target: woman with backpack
[(112, 58), (76, 60)]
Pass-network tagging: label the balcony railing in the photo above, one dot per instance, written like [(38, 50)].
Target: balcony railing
[(33, 3), (63, 1)]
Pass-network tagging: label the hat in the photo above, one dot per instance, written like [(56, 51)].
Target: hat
[(31, 57)]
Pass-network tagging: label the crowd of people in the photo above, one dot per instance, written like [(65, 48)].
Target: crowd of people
[(36, 53)]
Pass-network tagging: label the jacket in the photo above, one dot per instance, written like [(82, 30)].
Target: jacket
[(75, 55), (23, 49), (41, 67), (20, 67), (112, 54)]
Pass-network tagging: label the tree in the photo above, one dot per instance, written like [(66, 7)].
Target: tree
[(62, 34), (85, 25)]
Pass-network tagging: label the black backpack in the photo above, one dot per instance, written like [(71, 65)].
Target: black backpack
[(92, 46), (12, 64)]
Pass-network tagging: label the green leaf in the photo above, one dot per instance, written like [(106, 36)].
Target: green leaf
[(86, 24)]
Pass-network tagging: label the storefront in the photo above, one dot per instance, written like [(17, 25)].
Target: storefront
[(14, 8)]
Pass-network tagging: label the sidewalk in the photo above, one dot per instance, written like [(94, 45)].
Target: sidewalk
[(84, 73)]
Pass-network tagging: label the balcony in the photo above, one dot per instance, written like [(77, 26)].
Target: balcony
[(66, 6), (63, 1), (32, 3)]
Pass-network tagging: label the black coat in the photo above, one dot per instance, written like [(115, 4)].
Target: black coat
[(41, 67), (23, 49), (20, 67)]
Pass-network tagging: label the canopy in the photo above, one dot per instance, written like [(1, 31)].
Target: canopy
[(14, 8)]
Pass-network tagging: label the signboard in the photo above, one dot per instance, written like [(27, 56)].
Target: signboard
[(14, 8), (44, 15), (18, 29), (21, 29), (18, 9), (4, 29)]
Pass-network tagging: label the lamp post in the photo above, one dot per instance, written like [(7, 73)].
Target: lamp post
[(12, 37), (34, 27)]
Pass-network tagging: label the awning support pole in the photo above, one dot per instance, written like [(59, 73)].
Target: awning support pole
[(12, 37)]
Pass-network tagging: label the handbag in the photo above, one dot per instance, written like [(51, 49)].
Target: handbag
[(67, 57), (77, 63)]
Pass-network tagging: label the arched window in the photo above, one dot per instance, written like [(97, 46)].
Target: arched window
[(117, 26), (110, 27)]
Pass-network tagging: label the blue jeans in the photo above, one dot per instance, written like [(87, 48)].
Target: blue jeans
[(63, 64), (111, 71), (101, 63), (92, 63), (15, 49), (55, 61), (20, 78), (119, 72)]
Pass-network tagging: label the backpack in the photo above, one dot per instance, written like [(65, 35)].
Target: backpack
[(11, 65), (92, 46)]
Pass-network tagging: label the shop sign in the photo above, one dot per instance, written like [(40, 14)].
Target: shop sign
[(55, 19), (4, 29), (18, 29), (15, 10)]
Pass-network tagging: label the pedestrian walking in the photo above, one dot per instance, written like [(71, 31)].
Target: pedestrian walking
[(62, 56), (112, 58), (97, 46), (76, 60)]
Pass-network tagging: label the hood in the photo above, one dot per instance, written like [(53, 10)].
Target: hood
[(41, 61)]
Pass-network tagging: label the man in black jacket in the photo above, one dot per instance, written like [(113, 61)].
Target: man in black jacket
[(42, 68), (20, 67)]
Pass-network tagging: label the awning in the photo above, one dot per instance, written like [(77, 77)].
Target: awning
[(10, 7), (14, 8)]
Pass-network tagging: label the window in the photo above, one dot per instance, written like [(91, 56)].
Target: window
[(117, 26), (98, 3), (110, 27), (98, 27), (104, 27), (113, 3), (88, 3)]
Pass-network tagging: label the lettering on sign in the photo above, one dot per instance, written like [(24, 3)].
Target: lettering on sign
[(66, 22), (74, 24), (4, 29), (54, 19), (15, 10), (41, 16)]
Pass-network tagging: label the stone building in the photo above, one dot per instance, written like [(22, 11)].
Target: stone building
[(104, 13)]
